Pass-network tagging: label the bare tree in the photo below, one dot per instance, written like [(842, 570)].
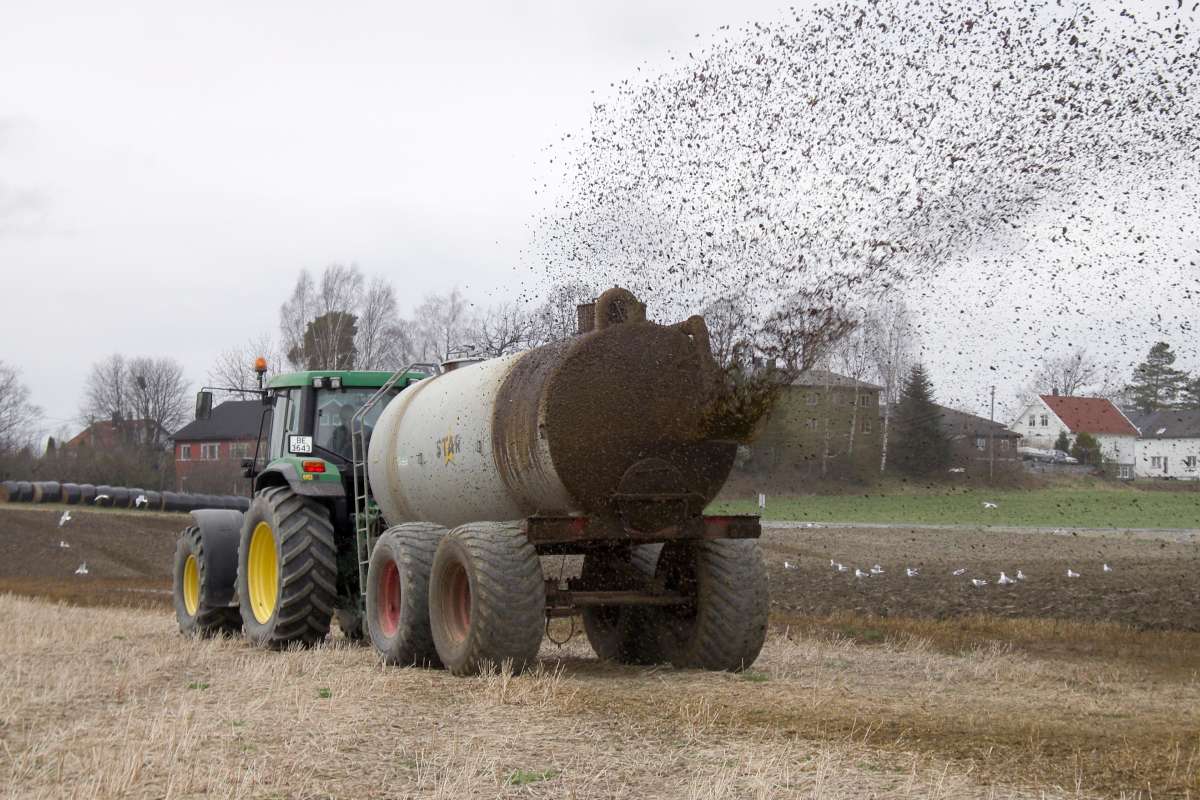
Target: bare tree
[(558, 317), (234, 368), (504, 329), (1068, 374), (442, 324), (802, 331), (383, 340), (106, 392), (17, 415), (893, 344), (334, 299), (852, 357), (729, 324), (158, 395)]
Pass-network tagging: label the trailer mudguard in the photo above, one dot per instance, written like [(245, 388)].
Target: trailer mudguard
[(220, 532)]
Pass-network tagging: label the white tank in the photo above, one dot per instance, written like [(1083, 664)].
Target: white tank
[(432, 457)]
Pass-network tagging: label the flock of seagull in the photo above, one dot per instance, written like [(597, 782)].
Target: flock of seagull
[(915, 572), (66, 517)]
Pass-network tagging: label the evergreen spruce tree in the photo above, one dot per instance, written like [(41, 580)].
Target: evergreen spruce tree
[(922, 446), (1156, 383), (1189, 396), (1063, 442)]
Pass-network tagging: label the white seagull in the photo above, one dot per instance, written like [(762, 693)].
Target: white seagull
[(959, 571), (978, 583), (100, 497), (842, 568), (1005, 580), (1020, 575), (1107, 568), (858, 573), (141, 501), (989, 504), (63, 544), (65, 518), (1071, 573), (876, 570), (82, 569), (912, 572), (790, 565)]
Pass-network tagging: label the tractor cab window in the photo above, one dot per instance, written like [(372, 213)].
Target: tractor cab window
[(334, 412), (285, 419)]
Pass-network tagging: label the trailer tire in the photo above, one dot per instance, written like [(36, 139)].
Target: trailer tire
[(287, 569), (624, 634), (190, 587), (724, 626), (398, 594), (487, 599)]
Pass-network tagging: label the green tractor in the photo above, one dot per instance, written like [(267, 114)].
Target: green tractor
[(290, 563)]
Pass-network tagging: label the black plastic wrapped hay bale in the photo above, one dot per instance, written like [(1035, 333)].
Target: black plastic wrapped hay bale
[(171, 502), (134, 494), (154, 501), (47, 492), (8, 492), (87, 494), (121, 497), (71, 494), (104, 496), (24, 491)]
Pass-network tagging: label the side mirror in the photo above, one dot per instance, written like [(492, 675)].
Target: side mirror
[(203, 405)]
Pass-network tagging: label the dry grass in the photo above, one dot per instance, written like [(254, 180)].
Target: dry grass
[(112, 703)]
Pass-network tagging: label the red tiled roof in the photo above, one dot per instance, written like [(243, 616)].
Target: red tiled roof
[(1089, 414)]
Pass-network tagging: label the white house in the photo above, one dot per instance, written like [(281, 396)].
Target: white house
[(1049, 415), (1169, 446)]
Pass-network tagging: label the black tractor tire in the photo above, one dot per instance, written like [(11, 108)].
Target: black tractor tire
[(487, 599), (398, 594), (295, 604), (724, 626), (196, 614), (624, 634)]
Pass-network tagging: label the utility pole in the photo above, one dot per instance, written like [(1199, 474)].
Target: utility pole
[(992, 438)]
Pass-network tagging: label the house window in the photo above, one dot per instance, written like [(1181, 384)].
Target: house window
[(1189, 463), (210, 452), (1032, 421), (1045, 420), (239, 450), (185, 452), (1156, 462), (1125, 471), (980, 443), (1004, 444), (866, 426), (812, 398)]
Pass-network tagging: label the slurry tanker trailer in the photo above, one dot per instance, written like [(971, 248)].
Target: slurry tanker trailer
[(416, 507)]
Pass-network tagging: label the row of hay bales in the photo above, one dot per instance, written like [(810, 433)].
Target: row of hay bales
[(114, 496)]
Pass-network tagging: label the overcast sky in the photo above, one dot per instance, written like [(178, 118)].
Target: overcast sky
[(165, 170)]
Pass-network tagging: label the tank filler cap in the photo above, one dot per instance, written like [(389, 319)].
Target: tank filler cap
[(614, 307)]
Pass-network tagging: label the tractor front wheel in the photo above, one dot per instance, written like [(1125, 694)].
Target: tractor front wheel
[(287, 569), (195, 584)]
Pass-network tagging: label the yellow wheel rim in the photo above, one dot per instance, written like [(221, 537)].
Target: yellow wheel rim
[(191, 585), (262, 571)]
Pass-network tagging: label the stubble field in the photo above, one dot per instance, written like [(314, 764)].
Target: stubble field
[(866, 688)]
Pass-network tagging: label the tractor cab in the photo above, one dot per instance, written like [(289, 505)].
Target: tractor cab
[(305, 435)]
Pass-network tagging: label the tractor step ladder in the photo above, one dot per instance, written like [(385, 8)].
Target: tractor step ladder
[(366, 516)]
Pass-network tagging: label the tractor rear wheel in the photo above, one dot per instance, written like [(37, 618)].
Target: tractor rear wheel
[(287, 569), (192, 587), (487, 599), (624, 634), (398, 594), (725, 624)]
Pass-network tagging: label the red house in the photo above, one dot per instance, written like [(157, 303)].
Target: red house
[(209, 452)]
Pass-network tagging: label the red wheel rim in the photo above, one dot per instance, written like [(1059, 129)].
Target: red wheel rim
[(389, 600), (457, 596)]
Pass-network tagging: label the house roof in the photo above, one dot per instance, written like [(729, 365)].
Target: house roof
[(1090, 415), (823, 377), (107, 433), (960, 423), (231, 420), (1171, 423)]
